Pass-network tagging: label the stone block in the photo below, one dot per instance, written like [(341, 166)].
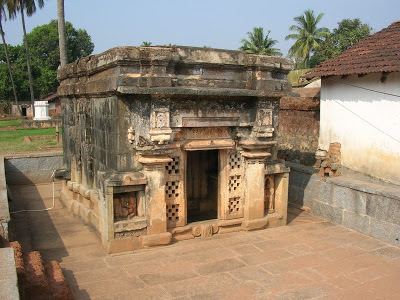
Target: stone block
[(378, 207), (156, 239), (356, 221), (356, 204), (255, 224), (326, 193), (342, 196), (328, 212)]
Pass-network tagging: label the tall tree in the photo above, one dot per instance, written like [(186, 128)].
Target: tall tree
[(45, 54), (3, 17), (61, 33), (348, 33), (307, 35), (28, 7), (259, 43)]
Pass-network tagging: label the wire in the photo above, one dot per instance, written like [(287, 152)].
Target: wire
[(366, 121), (39, 210), (371, 90)]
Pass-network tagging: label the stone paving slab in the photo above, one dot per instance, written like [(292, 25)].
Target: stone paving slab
[(308, 259)]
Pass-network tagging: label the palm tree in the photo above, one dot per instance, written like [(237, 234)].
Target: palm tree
[(62, 41), (145, 44), (258, 43), (28, 6), (3, 16), (307, 36)]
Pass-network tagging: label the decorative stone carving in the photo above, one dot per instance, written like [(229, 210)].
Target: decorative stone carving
[(160, 130), (263, 126), (143, 142), (131, 135)]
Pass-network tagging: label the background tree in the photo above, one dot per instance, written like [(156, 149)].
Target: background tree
[(348, 33), (308, 37), (62, 40), (145, 44), (7, 57), (259, 43), (44, 48), (28, 7)]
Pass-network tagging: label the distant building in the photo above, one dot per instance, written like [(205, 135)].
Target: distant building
[(26, 106), (360, 104), (26, 109)]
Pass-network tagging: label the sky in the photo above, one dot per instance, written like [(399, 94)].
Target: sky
[(211, 23)]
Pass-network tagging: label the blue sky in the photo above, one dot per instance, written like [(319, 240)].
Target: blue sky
[(213, 23)]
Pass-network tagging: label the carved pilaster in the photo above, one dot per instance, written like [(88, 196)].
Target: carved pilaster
[(154, 169)]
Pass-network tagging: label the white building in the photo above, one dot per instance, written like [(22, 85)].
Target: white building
[(360, 104)]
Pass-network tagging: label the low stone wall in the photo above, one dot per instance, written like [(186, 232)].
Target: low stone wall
[(8, 277), (4, 210), (298, 128), (41, 124), (355, 201), (32, 169)]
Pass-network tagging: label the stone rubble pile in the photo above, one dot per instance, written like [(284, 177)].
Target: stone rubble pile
[(38, 279), (329, 162)]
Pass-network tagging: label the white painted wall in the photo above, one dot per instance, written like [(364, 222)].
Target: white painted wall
[(364, 148)]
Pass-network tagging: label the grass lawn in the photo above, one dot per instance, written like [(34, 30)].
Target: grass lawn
[(10, 123), (12, 141)]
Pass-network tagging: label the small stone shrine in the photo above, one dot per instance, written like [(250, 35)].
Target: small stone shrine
[(170, 143)]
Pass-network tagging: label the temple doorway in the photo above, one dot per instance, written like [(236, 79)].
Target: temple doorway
[(202, 185)]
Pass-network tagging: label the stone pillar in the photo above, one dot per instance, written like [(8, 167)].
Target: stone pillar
[(154, 169), (281, 197), (254, 173)]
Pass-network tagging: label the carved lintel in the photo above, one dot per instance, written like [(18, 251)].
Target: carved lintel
[(154, 160), (255, 155)]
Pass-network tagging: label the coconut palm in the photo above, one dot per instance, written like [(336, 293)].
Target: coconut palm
[(3, 17), (258, 43), (307, 36), (145, 44), (28, 7), (62, 41)]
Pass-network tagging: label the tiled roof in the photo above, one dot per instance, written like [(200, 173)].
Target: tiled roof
[(378, 53)]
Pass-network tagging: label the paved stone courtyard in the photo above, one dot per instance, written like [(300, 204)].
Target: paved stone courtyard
[(309, 259)]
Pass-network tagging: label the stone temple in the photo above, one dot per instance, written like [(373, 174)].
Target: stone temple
[(169, 143)]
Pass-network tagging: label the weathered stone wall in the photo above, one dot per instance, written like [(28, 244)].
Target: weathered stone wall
[(31, 169), (4, 210), (299, 126), (364, 204)]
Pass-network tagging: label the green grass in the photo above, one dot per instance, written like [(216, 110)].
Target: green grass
[(12, 141), (10, 123)]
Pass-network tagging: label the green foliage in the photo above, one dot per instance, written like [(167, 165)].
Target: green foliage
[(348, 33), (308, 37), (145, 44), (259, 43), (45, 59)]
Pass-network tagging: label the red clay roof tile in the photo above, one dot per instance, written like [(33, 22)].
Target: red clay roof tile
[(378, 53)]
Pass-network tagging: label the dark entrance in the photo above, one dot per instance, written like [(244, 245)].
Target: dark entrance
[(202, 185), (23, 111)]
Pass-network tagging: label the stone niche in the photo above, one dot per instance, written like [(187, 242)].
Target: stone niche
[(172, 143)]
